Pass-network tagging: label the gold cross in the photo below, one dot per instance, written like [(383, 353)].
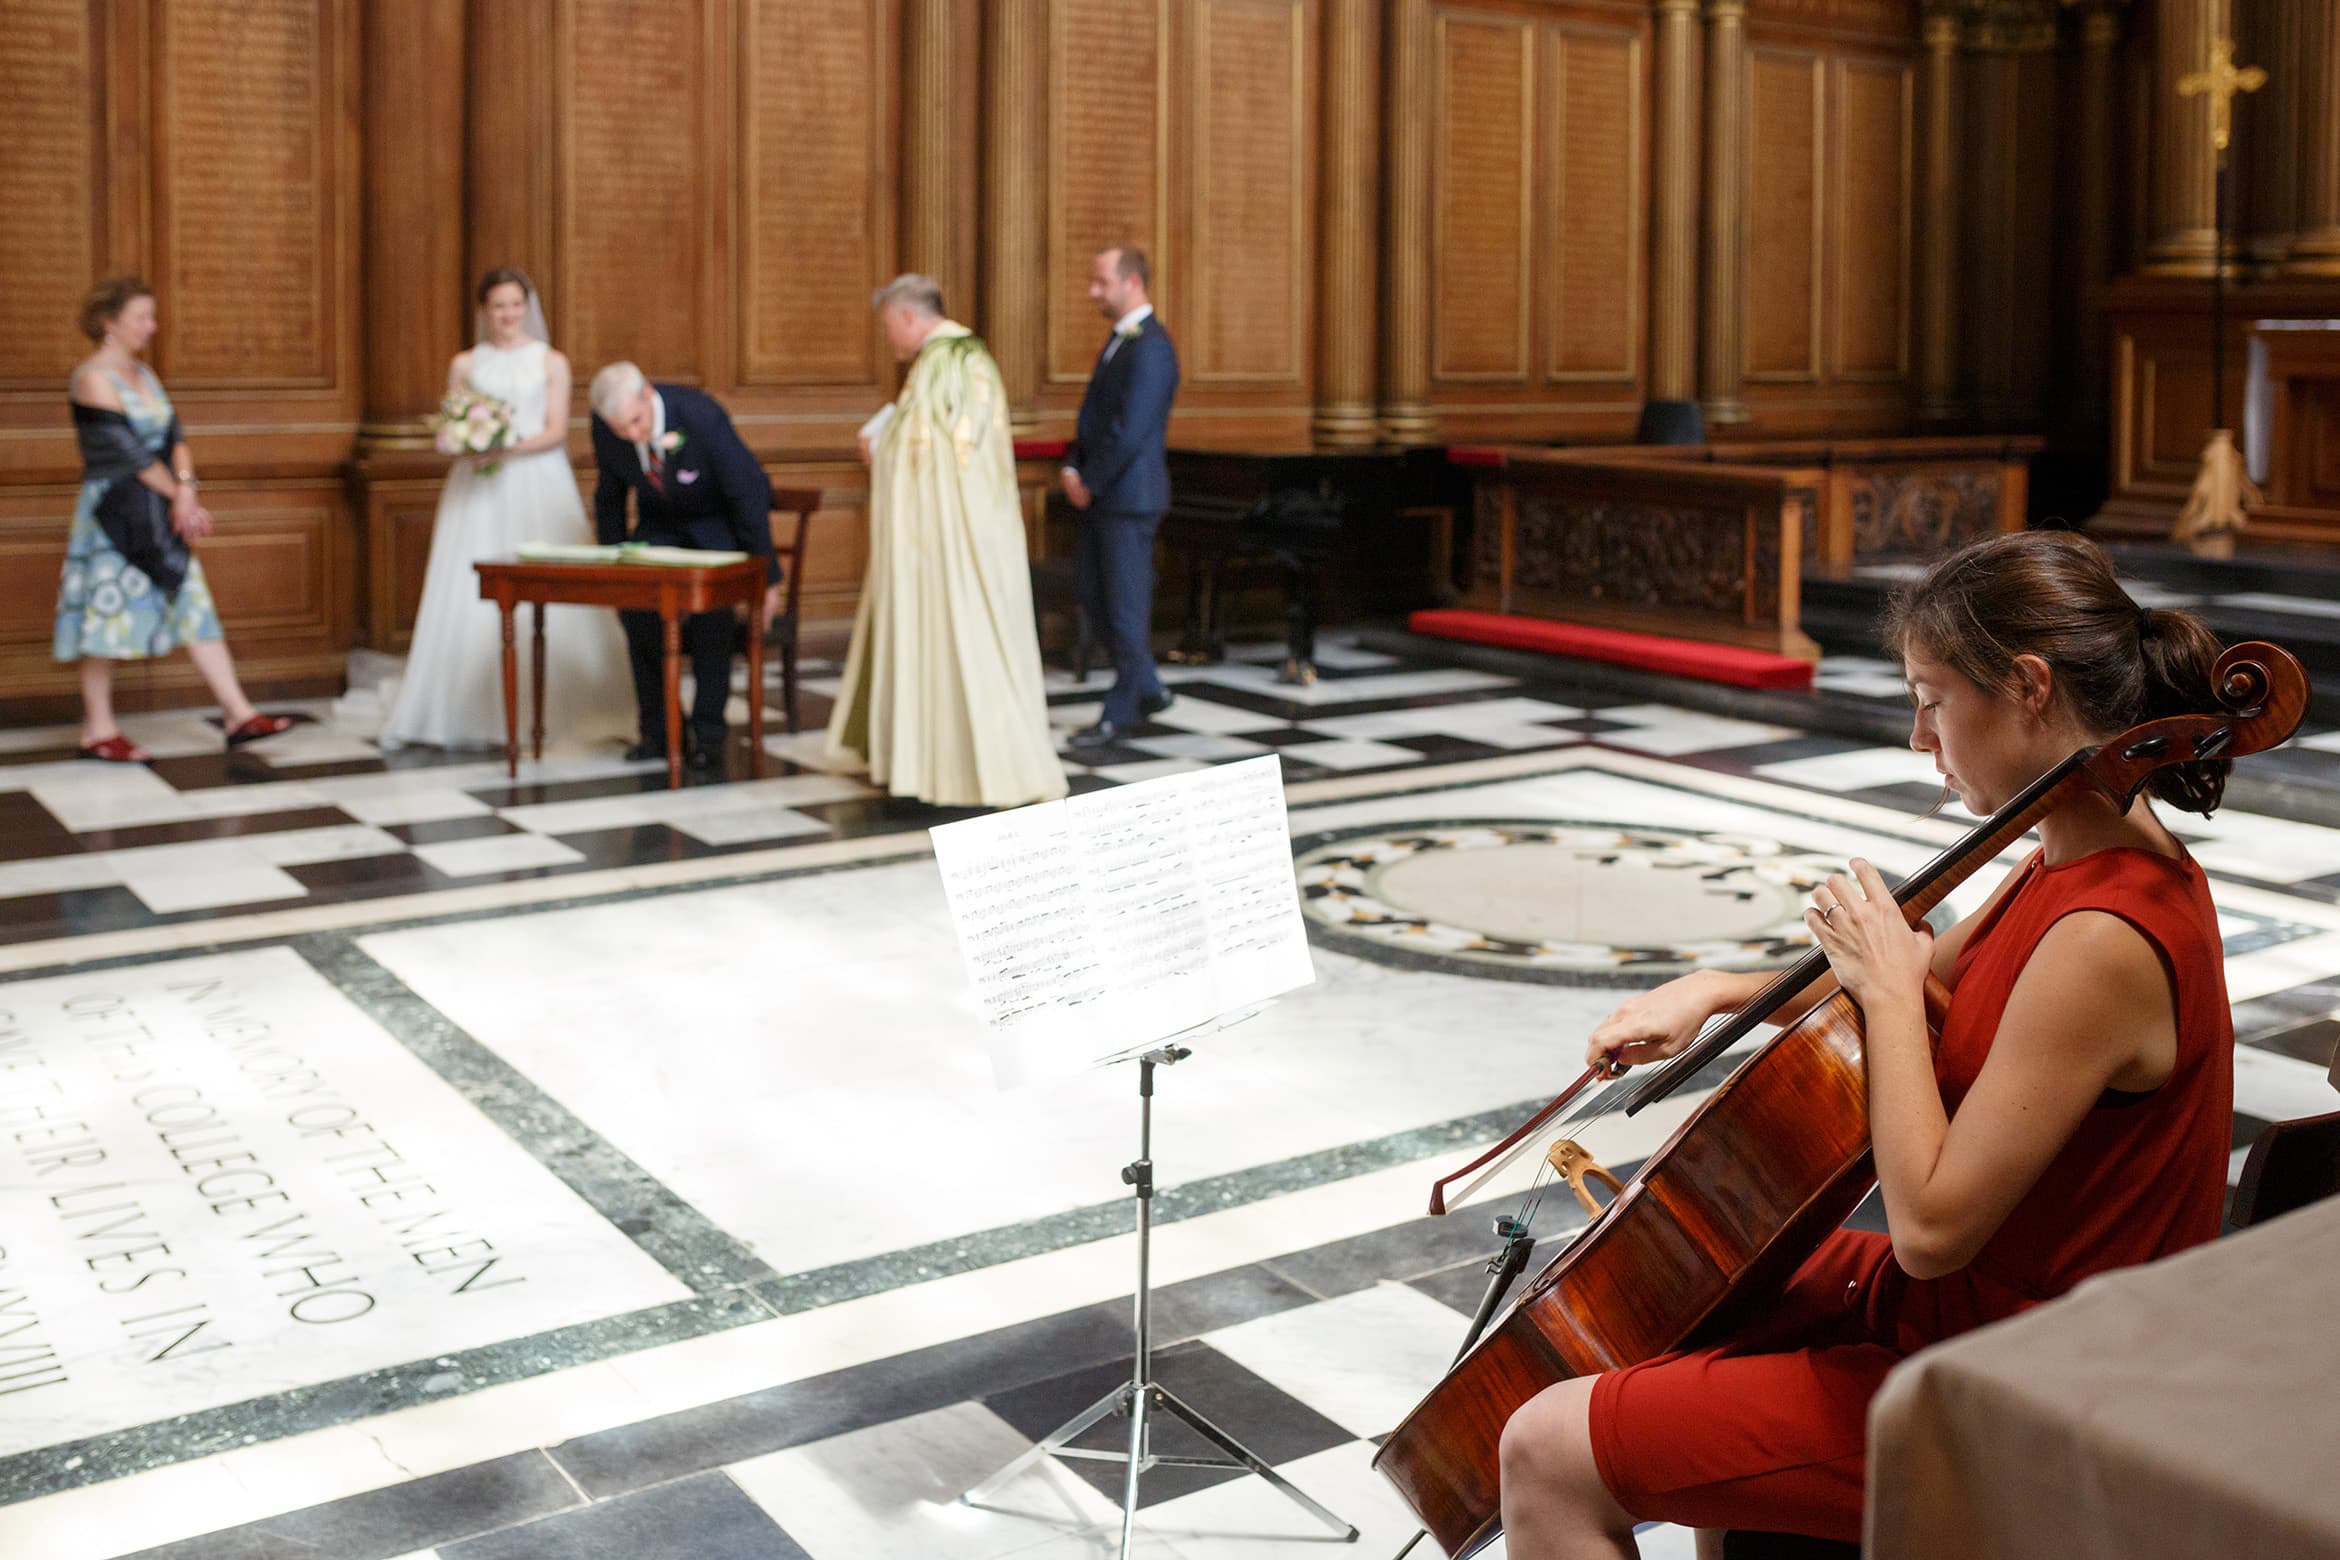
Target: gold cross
[(2222, 81)]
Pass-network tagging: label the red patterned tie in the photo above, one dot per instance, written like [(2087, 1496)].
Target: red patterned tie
[(656, 471)]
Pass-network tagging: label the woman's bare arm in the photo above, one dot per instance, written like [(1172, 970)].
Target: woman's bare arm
[(2092, 1008)]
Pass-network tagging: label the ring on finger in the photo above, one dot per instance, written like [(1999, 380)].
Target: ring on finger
[(1830, 910)]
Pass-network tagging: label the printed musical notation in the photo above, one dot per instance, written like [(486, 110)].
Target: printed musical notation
[(1108, 921)]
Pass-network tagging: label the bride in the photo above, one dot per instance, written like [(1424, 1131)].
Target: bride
[(452, 693)]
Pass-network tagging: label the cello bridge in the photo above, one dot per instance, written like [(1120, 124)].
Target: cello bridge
[(1569, 1159)]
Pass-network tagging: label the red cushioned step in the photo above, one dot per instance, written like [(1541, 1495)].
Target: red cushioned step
[(1678, 657)]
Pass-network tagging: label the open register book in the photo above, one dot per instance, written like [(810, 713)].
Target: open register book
[(626, 552)]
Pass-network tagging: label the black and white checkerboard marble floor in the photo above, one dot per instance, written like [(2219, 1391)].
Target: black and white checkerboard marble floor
[(322, 816), (799, 1276)]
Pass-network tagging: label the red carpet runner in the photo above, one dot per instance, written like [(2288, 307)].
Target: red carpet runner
[(1677, 657)]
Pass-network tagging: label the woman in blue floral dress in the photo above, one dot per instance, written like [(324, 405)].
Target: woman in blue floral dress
[(132, 587)]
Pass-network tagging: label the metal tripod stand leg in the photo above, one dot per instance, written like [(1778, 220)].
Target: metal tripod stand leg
[(1247, 1459), (1115, 1401), (1134, 1395)]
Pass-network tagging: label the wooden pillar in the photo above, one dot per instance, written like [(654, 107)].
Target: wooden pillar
[(2267, 133), (1015, 143), (416, 314), (2183, 222), (1987, 242), (415, 279), (1673, 300), (1409, 117), (1724, 324), (509, 194), (2315, 245), (1939, 160), (2008, 137), (940, 48), (2091, 229), (1350, 184)]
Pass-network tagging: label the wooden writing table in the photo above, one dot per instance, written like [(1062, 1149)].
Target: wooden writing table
[(674, 593)]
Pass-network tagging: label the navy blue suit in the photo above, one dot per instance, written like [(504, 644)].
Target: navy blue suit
[(713, 494), (1118, 449)]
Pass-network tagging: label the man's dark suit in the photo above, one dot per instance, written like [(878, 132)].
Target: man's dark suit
[(711, 494), (1118, 451)]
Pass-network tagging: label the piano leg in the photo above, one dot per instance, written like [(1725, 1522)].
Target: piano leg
[(1299, 620), (1199, 644)]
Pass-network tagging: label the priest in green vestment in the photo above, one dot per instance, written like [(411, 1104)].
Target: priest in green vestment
[(942, 697)]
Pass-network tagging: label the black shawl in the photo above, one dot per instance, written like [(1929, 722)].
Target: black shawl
[(135, 518)]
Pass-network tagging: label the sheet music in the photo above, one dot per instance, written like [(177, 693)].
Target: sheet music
[(1109, 921)]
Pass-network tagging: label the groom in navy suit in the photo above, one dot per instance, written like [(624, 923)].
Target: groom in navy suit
[(1117, 474), (695, 485)]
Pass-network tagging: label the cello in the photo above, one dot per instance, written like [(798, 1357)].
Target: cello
[(1765, 1168)]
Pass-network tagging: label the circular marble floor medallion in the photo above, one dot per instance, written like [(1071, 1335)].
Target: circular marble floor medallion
[(1568, 902)]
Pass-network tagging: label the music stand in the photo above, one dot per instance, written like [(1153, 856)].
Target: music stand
[(1135, 1396)]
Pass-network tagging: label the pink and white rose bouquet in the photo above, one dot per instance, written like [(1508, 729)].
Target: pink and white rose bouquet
[(468, 423)]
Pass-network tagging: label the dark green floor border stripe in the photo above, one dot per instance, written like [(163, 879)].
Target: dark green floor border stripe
[(95, 1459), (674, 1234)]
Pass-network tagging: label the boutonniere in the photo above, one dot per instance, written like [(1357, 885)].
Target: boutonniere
[(668, 443), (1130, 332)]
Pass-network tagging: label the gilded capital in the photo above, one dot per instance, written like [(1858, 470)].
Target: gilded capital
[(2010, 26), (2100, 20)]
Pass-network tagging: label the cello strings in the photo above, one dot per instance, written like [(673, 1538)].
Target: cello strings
[(1602, 1102)]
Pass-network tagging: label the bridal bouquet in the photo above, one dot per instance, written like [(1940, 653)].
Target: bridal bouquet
[(468, 423)]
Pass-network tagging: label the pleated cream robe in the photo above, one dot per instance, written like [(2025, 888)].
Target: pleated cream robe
[(942, 696)]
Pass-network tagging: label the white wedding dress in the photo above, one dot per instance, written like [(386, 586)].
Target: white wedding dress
[(452, 693)]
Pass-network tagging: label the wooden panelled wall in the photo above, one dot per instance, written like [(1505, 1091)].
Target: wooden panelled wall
[(2283, 231), (1415, 220)]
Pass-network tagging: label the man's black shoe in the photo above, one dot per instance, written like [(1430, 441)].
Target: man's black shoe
[(1154, 704), (644, 752), (1089, 738)]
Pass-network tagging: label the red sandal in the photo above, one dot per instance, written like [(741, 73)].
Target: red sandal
[(257, 727), (116, 749)]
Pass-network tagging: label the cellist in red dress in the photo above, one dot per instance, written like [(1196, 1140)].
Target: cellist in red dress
[(2076, 1117)]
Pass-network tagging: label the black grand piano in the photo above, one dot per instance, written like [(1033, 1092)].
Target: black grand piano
[(1341, 536)]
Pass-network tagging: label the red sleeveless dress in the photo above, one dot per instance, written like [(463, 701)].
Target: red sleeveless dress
[(1766, 1431)]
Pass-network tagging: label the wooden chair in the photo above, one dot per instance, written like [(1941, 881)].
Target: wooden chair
[(803, 503), (1056, 580), (2293, 1163), (1056, 590)]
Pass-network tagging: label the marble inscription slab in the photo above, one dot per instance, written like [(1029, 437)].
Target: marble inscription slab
[(219, 1179)]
